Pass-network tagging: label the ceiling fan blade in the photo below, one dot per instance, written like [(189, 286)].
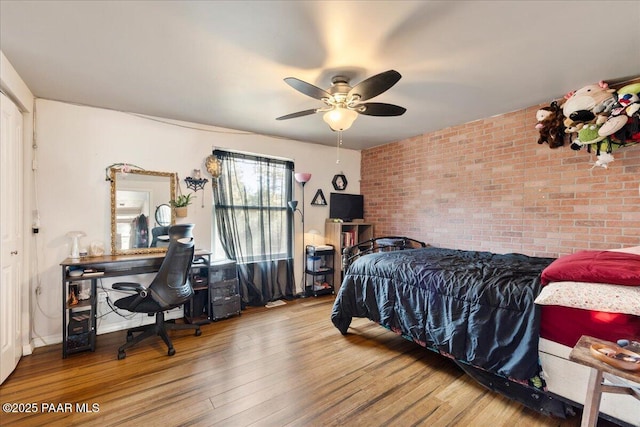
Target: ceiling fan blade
[(307, 88), (381, 109), (298, 114), (375, 85)]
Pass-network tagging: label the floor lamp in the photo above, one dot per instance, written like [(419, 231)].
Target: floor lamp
[(302, 178)]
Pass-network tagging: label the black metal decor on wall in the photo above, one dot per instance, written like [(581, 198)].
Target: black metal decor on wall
[(319, 199), (339, 182)]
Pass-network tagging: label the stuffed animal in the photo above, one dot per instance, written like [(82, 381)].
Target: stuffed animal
[(589, 104), (629, 133), (572, 127), (622, 124), (551, 125), (603, 160), (587, 136), (628, 100), (602, 145), (599, 118)]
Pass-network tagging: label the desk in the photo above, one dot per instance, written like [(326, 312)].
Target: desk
[(79, 316), (581, 354)]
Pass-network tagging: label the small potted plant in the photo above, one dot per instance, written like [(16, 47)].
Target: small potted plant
[(180, 204)]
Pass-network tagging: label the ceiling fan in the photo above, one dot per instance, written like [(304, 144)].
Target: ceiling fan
[(343, 103)]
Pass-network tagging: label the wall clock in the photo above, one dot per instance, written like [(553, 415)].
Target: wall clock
[(339, 182)]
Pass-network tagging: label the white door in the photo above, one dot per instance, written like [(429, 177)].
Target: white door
[(11, 239)]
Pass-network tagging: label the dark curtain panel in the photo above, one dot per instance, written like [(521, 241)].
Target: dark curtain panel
[(255, 225)]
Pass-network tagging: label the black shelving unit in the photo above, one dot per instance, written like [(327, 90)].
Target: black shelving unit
[(319, 271), (197, 310), (79, 314)]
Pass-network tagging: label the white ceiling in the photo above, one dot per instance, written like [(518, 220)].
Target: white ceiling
[(222, 63)]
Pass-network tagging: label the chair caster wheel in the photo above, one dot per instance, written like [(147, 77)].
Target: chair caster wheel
[(198, 332), (171, 351), (121, 355)]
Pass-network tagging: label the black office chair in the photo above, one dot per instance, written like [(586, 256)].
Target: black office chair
[(169, 289)]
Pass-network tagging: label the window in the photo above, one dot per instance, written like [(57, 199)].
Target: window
[(253, 222)]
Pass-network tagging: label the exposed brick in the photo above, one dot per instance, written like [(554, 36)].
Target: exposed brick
[(488, 185)]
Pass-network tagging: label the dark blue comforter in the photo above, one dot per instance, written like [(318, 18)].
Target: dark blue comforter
[(477, 307)]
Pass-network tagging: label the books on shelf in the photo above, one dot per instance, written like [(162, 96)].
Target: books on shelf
[(348, 238)]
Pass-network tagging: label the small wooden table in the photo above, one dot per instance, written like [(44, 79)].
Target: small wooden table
[(581, 354)]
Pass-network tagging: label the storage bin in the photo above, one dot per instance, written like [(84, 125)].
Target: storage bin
[(78, 341), (314, 263), (223, 308), (222, 290)]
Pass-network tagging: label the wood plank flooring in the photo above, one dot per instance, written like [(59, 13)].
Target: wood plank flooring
[(282, 366)]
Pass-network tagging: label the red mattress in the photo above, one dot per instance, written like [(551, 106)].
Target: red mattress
[(565, 325)]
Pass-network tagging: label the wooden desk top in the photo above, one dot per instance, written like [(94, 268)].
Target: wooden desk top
[(121, 265), (108, 259), (581, 354)]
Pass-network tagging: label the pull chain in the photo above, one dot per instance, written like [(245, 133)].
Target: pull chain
[(338, 144)]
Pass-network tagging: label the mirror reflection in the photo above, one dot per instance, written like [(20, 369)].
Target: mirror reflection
[(163, 215), (140, 211)]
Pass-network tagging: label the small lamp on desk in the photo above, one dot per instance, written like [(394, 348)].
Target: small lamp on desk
[(75, 243)]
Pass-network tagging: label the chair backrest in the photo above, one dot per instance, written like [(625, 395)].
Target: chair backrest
[(157, 232), (171, 287)]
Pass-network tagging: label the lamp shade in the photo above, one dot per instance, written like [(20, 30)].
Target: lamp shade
[(302, 177), (293, 204), (339, 118)]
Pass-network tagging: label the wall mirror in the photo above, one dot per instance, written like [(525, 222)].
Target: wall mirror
[(140, 210)]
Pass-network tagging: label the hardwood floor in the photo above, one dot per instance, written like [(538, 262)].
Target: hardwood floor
[(282, 366)]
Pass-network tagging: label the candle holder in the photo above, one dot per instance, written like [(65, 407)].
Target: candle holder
[(196, 182)]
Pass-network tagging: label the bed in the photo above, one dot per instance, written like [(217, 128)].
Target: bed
[(502, 318)]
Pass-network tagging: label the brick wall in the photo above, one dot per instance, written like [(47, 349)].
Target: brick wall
[(488, 185)]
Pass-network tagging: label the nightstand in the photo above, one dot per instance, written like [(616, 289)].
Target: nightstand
[(581, 354)]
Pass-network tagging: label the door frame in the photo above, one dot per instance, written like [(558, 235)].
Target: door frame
[(16, 89)]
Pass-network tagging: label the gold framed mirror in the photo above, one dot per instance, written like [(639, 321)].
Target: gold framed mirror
[(138, 199)]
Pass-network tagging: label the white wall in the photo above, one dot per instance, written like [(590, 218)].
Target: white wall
[(76, 144)]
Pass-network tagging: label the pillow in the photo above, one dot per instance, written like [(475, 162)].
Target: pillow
[(592, 296), (619, 268), (631, 250)]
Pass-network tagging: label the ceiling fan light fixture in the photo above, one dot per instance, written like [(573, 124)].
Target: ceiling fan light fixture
[(344, 103), (339, 118)]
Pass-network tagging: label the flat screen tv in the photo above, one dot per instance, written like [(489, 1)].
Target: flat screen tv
[(346, 207)]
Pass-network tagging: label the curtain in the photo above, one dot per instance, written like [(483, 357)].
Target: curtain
[(254, 224)]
